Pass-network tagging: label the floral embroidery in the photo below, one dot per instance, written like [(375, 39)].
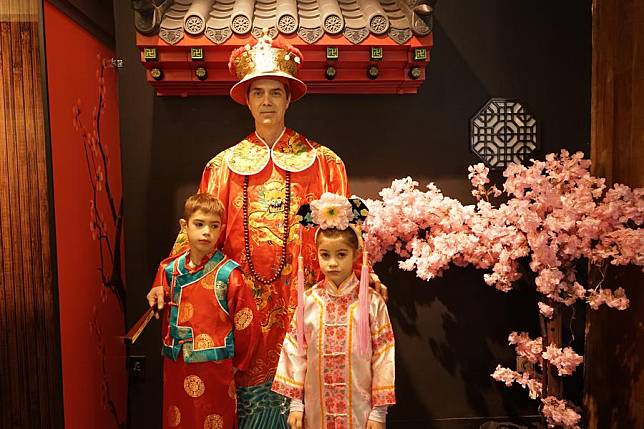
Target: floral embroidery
[(286, 389), (383, 397)]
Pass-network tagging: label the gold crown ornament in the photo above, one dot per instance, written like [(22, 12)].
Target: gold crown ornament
[(265, 59)]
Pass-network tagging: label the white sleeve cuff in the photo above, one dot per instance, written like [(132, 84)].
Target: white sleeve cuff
[(379, 414), (297, 405)]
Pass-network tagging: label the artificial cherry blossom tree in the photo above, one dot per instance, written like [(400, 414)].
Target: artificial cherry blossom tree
[(555, 215)]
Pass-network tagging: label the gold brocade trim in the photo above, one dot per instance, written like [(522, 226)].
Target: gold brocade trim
[(247, 157), (317, 299), (174, 416), (327, 153), (382, 350), (245, 63), (382, 388), (289, 337), (350, 355), (294, 153), (194, 386), (380, 330), (243, 318), (213, 421)]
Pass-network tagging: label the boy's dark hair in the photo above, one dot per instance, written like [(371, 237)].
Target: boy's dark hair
[(206, 203), (349, 236)]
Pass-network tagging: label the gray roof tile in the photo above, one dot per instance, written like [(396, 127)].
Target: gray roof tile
[(310, 19)]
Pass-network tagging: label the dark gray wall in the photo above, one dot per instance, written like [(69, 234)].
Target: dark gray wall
[(452, 332), (95, 16)]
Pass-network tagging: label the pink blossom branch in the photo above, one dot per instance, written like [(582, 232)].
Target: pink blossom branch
[(555, 215)]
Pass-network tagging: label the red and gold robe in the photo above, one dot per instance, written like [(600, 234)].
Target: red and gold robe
[(313, 170), (339, 387), (209, 328)]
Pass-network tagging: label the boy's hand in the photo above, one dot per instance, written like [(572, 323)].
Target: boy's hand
[(378, 286), (375, 425), (295, 420), (156, 298)]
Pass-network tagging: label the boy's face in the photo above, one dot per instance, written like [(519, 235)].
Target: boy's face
[(336, 258), (268, 101), (203, 230)]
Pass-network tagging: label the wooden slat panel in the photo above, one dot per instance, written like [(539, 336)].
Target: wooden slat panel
[(613, 382), (30, 357)]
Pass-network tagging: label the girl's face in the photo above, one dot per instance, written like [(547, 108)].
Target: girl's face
[(336, 258)]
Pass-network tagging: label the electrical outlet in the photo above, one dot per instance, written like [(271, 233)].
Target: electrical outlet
[(523, 364), (136, 368)]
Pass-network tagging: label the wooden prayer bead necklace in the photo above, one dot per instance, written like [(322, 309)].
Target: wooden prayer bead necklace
[(287, 209)]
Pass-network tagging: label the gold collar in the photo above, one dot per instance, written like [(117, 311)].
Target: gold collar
[(291, 152)]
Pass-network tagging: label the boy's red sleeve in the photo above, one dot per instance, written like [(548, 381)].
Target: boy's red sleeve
[(243, 311)]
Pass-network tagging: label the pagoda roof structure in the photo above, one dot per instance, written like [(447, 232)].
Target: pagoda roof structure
[(349, 46)]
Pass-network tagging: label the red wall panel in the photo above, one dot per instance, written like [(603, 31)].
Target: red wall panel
[(87, 201)]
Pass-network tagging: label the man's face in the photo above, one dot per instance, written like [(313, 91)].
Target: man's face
[(268, 100)]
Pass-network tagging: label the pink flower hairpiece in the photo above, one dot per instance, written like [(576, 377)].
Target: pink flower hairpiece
[(331, 211)]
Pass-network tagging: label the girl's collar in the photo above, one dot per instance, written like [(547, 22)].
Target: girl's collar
[(347, 286)]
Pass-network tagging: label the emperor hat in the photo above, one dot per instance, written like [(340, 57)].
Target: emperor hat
[(265, 59)]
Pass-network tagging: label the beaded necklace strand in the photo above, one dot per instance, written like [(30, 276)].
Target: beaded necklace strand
[(287, 209)]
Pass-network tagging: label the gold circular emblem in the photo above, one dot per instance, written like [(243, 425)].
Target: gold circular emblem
[(174, 416), (186, 310), (204, 341), (213, 421), (194, 386), (243, 318)]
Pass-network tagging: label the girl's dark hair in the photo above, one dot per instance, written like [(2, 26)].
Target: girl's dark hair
[(349, 235)]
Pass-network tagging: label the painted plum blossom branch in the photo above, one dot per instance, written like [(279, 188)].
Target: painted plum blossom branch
[(109, 237), (97, 161)]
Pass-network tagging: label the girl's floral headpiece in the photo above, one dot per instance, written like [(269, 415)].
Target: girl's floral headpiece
[(333, 211), (336, 211)]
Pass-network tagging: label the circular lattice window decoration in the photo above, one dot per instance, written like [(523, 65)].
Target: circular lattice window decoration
[(503, 132), (194, 25)]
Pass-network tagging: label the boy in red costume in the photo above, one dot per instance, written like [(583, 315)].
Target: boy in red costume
[(209, 325)]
